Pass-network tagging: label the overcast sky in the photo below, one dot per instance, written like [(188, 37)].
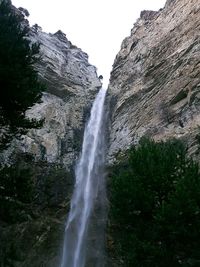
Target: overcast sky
[(97, 27)]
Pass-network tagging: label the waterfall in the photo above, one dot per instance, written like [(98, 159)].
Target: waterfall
[(88, 195)]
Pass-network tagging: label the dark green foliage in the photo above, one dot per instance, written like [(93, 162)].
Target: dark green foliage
[(16, 191), (155, 206), (16, 183), (34, 198), (19, 86), (28, 187)]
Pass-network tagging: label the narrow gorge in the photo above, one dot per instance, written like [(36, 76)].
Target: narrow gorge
[(153, 93)]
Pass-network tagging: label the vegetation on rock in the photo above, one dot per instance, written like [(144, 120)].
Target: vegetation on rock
[(155, 206), (28, 187), (19, 84), (34, 198)]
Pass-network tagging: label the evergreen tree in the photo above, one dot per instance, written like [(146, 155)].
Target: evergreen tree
[(155, 206), (19, 85)]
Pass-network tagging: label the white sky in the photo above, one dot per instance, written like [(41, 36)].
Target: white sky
[(97, 27)]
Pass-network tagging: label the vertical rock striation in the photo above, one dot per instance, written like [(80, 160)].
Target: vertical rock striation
[(72, 84), (31, 230), (155, 81)]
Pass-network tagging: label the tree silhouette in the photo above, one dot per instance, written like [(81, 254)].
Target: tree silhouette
[(19, 85)]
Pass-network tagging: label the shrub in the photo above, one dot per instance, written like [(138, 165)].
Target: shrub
[(16, 191), (155, 206)]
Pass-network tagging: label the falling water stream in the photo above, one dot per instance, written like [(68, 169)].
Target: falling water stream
[(88, 194)]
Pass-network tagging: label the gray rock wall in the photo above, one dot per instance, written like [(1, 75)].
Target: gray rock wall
[(155, 81), (72, 84), (31, 231)]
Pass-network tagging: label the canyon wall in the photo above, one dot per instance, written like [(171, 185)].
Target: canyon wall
[(155, 82), (32, 225), (72, 84), (153, 91)]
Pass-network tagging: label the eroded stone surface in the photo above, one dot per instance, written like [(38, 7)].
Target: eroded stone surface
[(72, 84), (155, 81), (34, 236)]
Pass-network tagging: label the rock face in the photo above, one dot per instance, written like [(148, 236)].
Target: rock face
[(32, 229), (155, 81), (72, 84)]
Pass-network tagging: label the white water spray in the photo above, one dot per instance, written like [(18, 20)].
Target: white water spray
[(89, 182)]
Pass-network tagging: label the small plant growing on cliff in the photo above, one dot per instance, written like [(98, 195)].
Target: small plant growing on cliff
[(19, 85), (155, 206)]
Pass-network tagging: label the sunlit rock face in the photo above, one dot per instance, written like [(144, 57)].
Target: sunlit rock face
[(155, 81), (72, 84)]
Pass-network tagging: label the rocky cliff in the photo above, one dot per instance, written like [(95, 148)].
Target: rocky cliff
[(72, 84), (35, 189), (153, 91), (155, 81)]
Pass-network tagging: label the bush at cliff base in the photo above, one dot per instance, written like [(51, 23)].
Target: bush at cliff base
[(155, 206)]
